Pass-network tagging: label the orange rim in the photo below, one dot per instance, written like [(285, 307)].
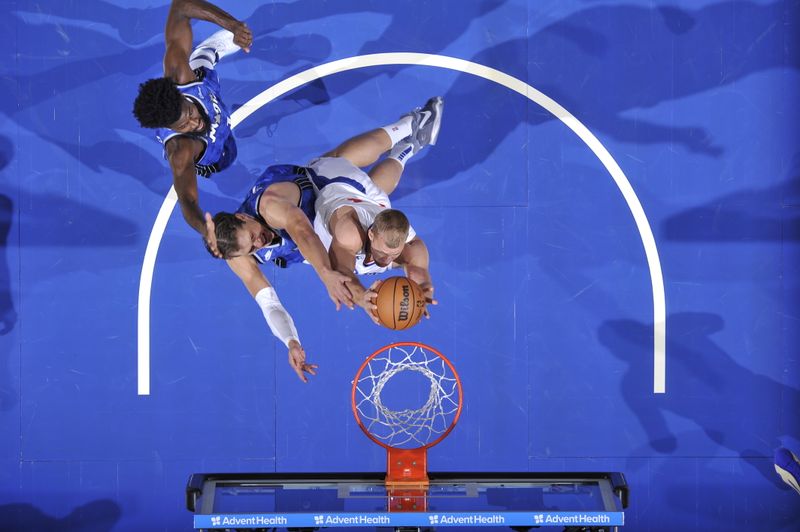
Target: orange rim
[(391, 346)]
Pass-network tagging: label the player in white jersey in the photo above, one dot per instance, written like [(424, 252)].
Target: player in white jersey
[(355, 220), (365, 198)]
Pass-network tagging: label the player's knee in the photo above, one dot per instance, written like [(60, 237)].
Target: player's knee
[(203, 57)]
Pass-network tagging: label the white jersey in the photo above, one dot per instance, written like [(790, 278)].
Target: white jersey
[(342, 184)]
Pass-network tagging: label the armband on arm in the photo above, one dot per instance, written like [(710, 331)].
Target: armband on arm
[(279, 321)]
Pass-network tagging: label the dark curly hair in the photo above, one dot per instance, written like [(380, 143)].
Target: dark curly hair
[(225, 227), (158, 103)]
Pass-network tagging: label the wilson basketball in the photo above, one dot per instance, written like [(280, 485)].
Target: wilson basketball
[(400, 302)]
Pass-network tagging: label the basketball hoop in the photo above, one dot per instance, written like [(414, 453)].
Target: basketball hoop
[(404, 418)]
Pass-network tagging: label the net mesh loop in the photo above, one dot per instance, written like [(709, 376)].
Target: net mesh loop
[(408, 428)]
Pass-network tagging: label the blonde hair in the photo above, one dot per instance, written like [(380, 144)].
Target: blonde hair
[(393, 226)]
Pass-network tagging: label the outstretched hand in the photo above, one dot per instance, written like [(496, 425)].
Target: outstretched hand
[(242, 36), (337, 289), (210, 237), (427, 290), (297, 359), (367, 301)]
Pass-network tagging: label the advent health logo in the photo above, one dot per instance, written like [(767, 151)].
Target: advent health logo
[(466, 519), (265, 520), (573, 518)]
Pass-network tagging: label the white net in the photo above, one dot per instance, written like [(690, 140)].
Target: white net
[(379, 403)]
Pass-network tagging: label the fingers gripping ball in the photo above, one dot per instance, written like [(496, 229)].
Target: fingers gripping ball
[(401, 303)]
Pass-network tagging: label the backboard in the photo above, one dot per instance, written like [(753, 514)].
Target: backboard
[(281, 500)]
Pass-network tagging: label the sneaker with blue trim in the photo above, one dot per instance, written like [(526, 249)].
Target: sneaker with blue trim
[(788, 467), (426, 122)]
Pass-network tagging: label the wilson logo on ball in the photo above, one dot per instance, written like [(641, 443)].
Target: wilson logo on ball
[(403, 314), (400, 303)]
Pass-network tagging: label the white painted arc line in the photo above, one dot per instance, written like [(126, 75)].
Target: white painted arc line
[(145, 286), (461, 65)]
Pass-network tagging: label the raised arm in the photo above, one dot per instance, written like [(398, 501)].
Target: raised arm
[(415, 260), (279, 321), (178, 35), (281, 213), (181, 154)]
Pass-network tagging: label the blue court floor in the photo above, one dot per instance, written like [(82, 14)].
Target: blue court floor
[(613, 216)]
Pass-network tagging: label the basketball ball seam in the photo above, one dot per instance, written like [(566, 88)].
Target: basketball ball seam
[(412, 297), (394, 308)]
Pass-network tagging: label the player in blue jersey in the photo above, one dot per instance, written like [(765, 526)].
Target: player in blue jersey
[(351, 216), (274, 223), (185, 106)]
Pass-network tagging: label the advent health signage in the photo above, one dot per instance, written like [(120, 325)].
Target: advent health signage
[(417, 519)]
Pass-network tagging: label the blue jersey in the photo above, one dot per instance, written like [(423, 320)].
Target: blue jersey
[(284, 252), (220, 146)]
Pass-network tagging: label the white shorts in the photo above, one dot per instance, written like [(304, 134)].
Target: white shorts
[(347, 179), (342, 184)]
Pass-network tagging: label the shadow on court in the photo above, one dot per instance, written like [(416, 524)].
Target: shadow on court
[(583, 51), (313, 93), (659, 55), (736, 408), (131, 51), (103, 148), (8, 313), (750, 215), (406, 30), (95, 516)]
